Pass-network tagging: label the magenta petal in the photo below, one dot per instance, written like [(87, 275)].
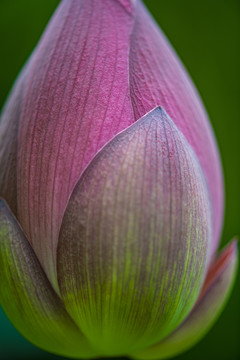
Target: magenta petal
[(76, 99), (157, 77)]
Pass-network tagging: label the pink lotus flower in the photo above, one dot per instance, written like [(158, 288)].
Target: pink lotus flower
[(112, 177)]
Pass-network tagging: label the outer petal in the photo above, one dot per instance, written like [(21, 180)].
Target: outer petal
[(9, 123), (76, 99), (158, 78), (28, 298), (134, 239), (212, 299)]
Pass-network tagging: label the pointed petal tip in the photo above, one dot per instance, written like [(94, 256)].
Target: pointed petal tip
[(227, 256), (158, 113), (156, 110), (4, 208), (232, 248), (6, 214), (2, 202), (235, 243)]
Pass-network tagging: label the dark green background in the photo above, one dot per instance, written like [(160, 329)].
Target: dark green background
[(206, 35)]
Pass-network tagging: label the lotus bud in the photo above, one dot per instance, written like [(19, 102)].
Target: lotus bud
[(112, 194)]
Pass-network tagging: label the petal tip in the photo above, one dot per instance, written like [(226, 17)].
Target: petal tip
[(3, 206), (2, 202), (157, 110), (227, 257)]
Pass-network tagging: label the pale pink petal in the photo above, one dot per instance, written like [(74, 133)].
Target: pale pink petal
[(135, 238)]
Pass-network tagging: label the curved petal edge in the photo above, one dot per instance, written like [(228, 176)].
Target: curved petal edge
[(135, 238), (214, 294), (28, 299)]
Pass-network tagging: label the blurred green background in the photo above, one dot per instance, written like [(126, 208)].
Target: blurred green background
[(206, 35)]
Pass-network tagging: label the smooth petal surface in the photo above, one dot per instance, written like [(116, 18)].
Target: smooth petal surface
[(76, 84), (212, 299), (157, 77), (28, 298), (135, 237)]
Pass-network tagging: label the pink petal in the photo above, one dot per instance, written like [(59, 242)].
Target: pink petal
[(76, 99), (157, 77)]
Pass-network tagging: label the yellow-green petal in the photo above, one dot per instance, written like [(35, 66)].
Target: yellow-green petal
[(28, 298), (212, 299)]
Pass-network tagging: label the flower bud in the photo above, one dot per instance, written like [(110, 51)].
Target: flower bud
[(112, 177)]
